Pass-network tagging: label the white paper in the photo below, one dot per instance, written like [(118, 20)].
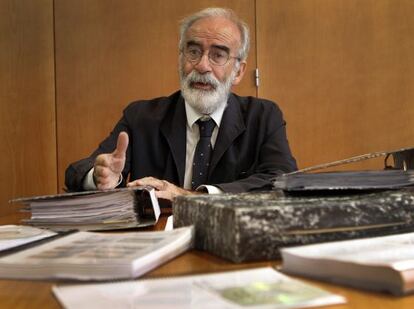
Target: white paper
[(380, 263), (97, 256), (16, 235), (394, 250), (169, 224), (253, 288)]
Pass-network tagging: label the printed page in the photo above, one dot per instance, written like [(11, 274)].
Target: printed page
[(87, 255), (12, 236), (394, 250), (253, 288)]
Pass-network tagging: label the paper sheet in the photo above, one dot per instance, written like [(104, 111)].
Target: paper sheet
[(253, 288)]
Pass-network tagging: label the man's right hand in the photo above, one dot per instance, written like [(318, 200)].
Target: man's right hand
[(108, 166)]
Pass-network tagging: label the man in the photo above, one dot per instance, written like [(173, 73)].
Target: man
[(202, 138)]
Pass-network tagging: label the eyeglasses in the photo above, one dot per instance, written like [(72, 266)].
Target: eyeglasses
[(216, 56)]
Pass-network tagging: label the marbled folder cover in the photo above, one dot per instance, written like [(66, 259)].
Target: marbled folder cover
[(253, 226)]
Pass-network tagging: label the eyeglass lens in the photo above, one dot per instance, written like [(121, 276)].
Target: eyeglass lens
[(216, 55)]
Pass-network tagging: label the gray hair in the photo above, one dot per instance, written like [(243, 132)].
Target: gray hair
[(218, 12)]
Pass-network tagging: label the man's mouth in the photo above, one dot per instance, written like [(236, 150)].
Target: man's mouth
[(202, 86)]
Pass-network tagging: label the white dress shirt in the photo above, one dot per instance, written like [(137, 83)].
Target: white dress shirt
[(193, 135)]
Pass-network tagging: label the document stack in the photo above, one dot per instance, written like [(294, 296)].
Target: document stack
[(380, 263), (93, 210), (38, 253), (97, 256), (345, 181)]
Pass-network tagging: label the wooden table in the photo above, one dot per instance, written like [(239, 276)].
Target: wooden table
[(38, 294)]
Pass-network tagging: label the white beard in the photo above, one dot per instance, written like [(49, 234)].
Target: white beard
[(205, 101)]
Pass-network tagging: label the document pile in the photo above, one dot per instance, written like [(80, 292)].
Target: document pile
[(381, 263), (400, 175), (347, 180), (93, 210), (97, 256)]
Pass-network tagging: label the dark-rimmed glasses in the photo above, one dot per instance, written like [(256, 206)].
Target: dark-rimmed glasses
[(216, 55)]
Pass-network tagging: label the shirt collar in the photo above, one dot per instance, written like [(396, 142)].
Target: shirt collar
[(193, 115)]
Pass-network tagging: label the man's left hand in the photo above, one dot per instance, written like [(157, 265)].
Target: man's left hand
[(164, 189)]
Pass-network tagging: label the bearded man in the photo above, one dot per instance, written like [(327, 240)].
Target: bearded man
[(200, 139)]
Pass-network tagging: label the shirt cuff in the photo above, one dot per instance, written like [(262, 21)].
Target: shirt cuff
[(209, 189), (88, 183)]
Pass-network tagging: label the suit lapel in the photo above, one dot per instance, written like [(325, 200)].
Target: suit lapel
[(173, 128), (232, 125)]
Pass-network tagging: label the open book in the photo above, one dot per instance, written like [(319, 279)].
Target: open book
[(97, 256), (252, 288), (93, 210), (382, 263)]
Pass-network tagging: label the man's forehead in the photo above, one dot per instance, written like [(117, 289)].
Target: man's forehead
[(218, 29)]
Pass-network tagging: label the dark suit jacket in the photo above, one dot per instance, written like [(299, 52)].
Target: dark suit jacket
[(250, 149)]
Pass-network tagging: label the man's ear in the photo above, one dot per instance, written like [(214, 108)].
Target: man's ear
[(240, 73)]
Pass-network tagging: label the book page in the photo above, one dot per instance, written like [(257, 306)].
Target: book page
[(253, 288), (395, 250)]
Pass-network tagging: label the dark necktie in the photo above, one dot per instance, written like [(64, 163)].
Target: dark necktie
[(202, 153)]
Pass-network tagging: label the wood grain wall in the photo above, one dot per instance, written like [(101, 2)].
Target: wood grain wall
[(342, 71), (27, 101)]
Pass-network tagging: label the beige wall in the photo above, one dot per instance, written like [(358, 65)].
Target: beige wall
[(341, 70)]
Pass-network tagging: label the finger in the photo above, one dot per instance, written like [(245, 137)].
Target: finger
[(102, 160), (100, 171), (172, 192), (166, 195), (132, 184), (150, 181), (102, 182), (104, 186), (136, 183), (121, 145)]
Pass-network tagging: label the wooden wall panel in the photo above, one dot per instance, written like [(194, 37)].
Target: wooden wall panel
[(27, 113), (109, 53), (343, 73)]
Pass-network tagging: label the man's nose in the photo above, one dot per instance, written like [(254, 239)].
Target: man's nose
[(204, 65)]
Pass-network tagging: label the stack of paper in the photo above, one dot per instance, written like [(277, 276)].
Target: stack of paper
[(97, 256), (94, 210), (381, 263), (358, 180)]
